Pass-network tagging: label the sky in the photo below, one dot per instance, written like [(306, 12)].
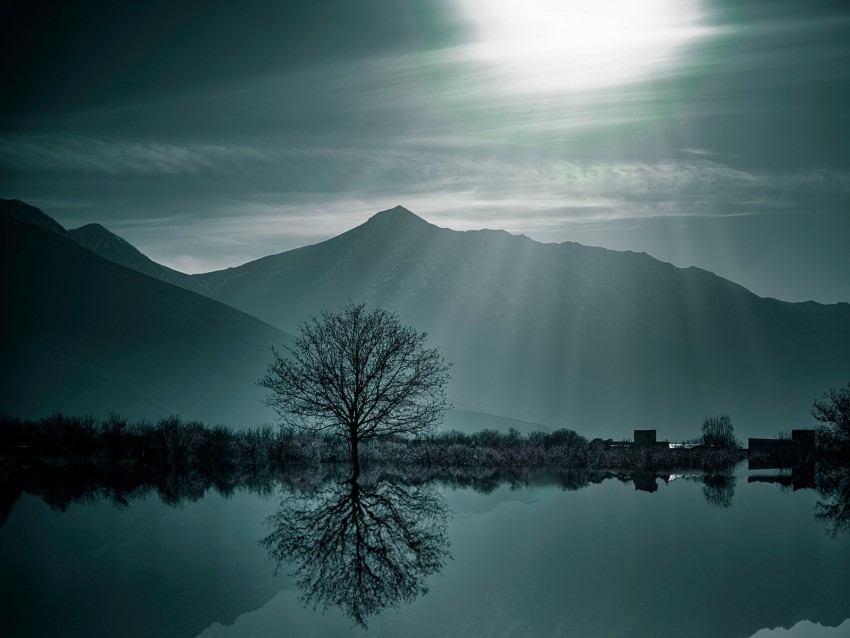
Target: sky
[(703, 132)]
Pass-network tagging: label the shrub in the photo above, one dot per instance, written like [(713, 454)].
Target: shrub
[(717, 431)]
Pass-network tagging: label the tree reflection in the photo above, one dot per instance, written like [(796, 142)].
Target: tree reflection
[(719, 488), (361, 546), (833, 508)]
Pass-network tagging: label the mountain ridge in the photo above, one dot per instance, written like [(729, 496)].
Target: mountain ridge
[(84, 335), (563, 335), (103, 242), (538, 331)]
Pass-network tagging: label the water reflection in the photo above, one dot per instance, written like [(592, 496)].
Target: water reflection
[(718, 488), (798, 477), (361, 546), (540, 560), (61, 485), (833, 508)]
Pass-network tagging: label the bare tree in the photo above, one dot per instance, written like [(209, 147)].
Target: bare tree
[(717, 431), (359, 374), (833, 411)]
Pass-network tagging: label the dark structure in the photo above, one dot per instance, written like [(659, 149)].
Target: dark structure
[(642, 439), (645, 481), (645, 437), (802, 477), (779, 453)]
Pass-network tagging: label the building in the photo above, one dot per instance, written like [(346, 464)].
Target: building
[(775, 453)]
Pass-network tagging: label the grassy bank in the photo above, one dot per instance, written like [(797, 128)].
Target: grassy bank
[(176, 443), (65, 460)]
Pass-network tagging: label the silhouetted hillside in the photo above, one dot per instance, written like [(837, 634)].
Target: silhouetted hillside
[(84, 335)]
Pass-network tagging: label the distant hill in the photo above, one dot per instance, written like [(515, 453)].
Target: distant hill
[(110, 246), (82, 334), (563, 334)]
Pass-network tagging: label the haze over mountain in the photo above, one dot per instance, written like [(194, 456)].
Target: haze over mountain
[(110, 246), (568, 335), (83, 335), (555, 334)]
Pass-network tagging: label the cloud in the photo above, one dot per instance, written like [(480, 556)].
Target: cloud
[(700, 152), (536, 198), (452, 184), (77, 154), (232, 204)]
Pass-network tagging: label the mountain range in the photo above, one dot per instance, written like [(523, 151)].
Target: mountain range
[(562, 335), (85, 335)]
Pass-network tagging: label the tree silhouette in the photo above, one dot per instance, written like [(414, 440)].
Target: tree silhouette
[(359, 374), (360, 547), (833, 410), (717, 431)]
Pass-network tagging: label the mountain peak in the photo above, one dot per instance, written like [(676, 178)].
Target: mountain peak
[(104, 242), (23, 212), (96, 231), (397, 214), (92, 227)]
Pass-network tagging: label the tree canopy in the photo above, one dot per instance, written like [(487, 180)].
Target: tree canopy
[(358, 373), (717, 431), (833, 411)]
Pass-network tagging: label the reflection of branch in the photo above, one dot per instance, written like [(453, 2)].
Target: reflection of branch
[(719, 489), (834, 490), (361, 547)]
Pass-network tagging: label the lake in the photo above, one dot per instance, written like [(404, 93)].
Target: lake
[(691, 558)]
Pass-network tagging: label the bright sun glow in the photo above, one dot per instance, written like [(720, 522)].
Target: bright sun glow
[(579, 45)]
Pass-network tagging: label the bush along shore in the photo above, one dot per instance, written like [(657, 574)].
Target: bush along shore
[(175, 443), (65, 460)]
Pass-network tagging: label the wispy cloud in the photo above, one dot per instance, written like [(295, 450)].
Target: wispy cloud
[(539, 199), (78, 154), (624, 188), (700, 152)]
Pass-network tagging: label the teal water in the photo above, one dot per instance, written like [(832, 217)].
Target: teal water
[(605, 560)]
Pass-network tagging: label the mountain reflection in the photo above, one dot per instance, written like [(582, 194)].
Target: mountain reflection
[(361, 546)]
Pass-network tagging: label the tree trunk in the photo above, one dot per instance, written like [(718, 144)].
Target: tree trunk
[(355, 457)]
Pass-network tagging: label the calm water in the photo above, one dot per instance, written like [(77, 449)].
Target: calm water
[(606, 560)]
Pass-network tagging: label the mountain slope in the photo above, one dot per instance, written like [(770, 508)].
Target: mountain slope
[(110, 246), (85, 335), (23, 212), (564, 334)]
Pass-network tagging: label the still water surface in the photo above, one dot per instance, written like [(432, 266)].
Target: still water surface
[(606, 560)]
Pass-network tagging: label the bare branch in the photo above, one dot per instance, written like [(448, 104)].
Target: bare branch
[(358, 373)]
